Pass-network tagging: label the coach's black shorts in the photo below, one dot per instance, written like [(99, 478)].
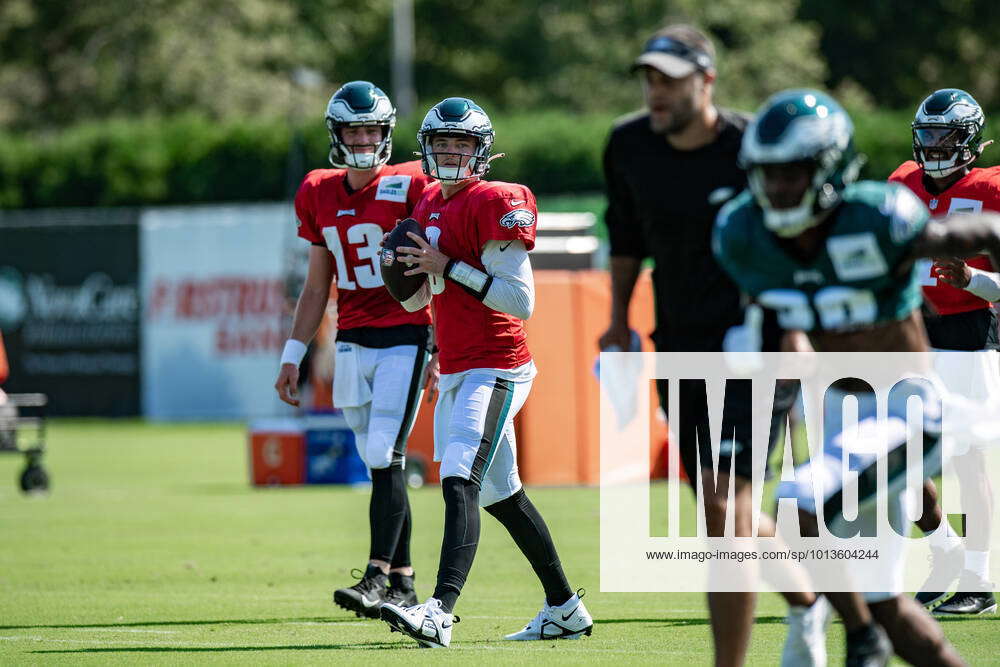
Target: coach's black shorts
[(693, 424)]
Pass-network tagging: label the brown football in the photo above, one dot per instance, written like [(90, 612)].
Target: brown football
[(400, 287)]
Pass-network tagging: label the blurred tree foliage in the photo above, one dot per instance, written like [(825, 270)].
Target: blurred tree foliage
[(899, 52), (576, 55), (63, 61), (143, 101), (189, 158)]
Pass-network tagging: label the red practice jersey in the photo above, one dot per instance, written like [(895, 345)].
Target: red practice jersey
[(351, 227), (470, 334), (979, 190)]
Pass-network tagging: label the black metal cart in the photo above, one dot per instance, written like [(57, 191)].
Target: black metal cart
[(22, 431)]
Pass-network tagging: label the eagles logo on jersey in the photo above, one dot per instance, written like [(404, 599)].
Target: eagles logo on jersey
[(519, 217)]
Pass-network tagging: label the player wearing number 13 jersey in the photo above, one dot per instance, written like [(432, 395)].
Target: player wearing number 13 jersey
[(383, 355), (350, 223)]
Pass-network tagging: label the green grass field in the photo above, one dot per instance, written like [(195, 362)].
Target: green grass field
[(153, 547)]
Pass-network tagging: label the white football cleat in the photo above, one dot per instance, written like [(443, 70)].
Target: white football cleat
[(428, 623), (569, 620), (805, 645)]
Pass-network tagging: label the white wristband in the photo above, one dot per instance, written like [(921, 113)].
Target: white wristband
[(293, 352), (467, 275)]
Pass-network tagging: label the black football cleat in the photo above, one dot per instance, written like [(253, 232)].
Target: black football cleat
[(967, 604), (366, 597), (401, 592), (946, 566), (868, 648), (974, 597)]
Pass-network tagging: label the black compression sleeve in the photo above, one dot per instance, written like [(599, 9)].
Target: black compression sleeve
[(522, 520), (461, 538), (387, 512)]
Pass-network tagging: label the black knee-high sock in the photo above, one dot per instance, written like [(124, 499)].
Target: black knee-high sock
[(401, 558), (461, 537), (386, 511), (519, 516)]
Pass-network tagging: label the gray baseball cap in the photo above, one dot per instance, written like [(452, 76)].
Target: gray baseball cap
[(673, 57)]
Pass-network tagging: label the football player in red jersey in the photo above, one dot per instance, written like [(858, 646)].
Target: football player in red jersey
[(947, 140), (383, 360), (480, 233)]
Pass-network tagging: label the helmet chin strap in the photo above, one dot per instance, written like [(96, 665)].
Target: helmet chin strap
[(351, 159), (941, 172), (789, 222), (784, 222), (942, 168), (453, 174), (459, 177), (341, 155)]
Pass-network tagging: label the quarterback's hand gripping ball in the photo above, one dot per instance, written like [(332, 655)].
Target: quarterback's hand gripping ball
[(400, 286)]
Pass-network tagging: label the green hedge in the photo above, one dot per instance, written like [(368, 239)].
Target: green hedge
[(191, 159)]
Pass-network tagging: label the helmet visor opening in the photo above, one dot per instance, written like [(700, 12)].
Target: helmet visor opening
[(351, 138), (947, 138)]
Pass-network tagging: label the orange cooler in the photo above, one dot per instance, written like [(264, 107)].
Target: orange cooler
[(277, 452)]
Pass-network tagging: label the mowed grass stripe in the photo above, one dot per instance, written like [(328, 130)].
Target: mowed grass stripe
[(153, 529)]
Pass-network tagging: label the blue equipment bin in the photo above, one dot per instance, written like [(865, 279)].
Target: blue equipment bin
[(331, 454)]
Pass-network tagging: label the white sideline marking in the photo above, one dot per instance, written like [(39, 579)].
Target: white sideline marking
[(542, 645), (111, 642), (328, 624), (598, 621), (152, 632)]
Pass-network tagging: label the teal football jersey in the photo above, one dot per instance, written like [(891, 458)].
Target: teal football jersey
[(858, 278)]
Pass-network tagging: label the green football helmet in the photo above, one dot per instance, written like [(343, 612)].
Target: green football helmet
[(355, 104), (796, 126), (947, 132), (456, 116)]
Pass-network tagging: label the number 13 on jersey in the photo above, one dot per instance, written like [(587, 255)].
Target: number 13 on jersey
[(364, 238)]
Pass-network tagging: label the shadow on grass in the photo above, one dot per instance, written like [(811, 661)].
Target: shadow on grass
[(680, 622), (360, 646), (145, 624)]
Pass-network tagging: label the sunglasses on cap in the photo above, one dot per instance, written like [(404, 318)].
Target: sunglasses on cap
[(668, 45)]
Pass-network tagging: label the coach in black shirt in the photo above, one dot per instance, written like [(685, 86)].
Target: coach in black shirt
[(668, 171), (662, 202)]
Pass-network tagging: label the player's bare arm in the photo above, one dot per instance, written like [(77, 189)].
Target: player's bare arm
[(308, 315), (624, 273), (968, 235), (958, 273), (432, 376), (961, 235), (953, 271)]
